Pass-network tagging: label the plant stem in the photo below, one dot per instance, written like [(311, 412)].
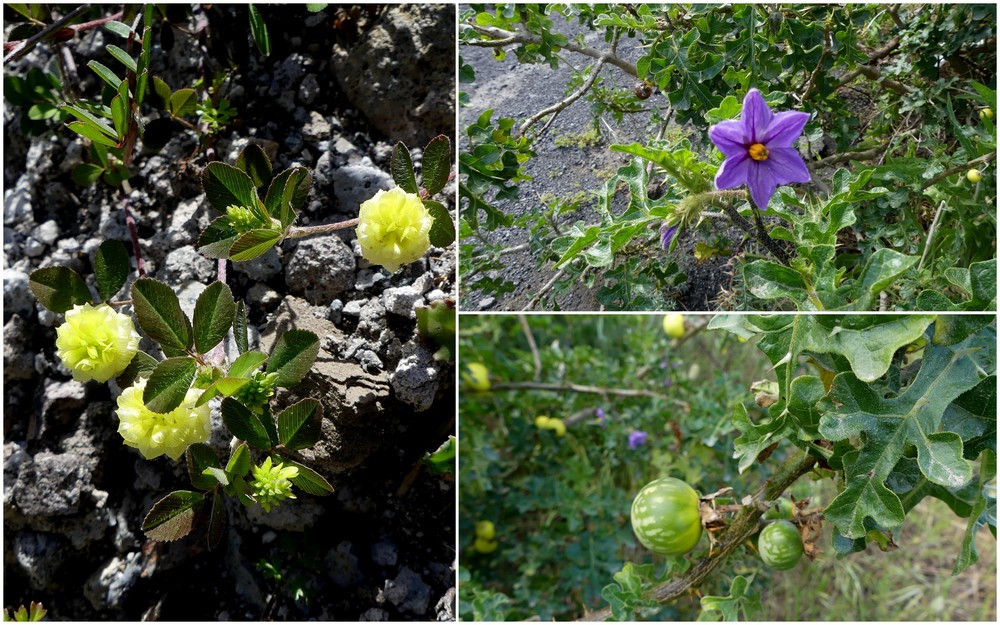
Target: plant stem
[(29, 43), (930, 235), (133, 230), (576, 388), (765, 238), (307, 231)]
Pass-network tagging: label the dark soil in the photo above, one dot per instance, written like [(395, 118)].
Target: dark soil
[(382, 547)]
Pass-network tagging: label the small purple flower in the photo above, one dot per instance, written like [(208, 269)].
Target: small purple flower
[(599, 413), (668, 383), (759, 149), (667, 234), (636, 438)]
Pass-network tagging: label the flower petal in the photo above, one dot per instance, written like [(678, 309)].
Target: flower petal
[(756, 116), (733, 172), (667, 234), (762, 182), (785, 129), (729, 137), (787, 166)]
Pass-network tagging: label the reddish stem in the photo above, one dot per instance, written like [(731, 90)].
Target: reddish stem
[(88, 25), (133, 230)]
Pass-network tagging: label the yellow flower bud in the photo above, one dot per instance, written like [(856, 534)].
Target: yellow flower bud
[(96, 343), (154, 433), (271, 485), (394, 228)]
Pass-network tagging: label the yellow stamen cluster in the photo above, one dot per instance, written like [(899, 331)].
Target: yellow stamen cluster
[(96, 343), (394, 228), (758, 152)]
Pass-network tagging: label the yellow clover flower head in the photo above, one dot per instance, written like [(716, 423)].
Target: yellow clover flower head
[(272, 484), (155, 434), (394, 228), (96, 343)]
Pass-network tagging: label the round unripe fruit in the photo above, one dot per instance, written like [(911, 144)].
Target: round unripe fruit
[(665, 517), (486, 530), (557, 426), (476, 377), (780, 510), (780, 545), (673, 325), (484, 546), (542, 422), (973, 175), (986, 113)]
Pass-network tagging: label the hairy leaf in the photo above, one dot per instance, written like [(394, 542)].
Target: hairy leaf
[(173, 516), (59, 288)]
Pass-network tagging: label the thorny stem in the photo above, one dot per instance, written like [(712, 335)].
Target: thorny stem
[(765, 238), (740, 528), (308, 231)]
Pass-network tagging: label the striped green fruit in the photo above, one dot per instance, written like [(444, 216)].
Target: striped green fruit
[(780, 545), (665, 517)]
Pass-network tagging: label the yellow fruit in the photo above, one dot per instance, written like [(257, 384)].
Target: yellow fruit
[(486, 530), (484, 546), (973, 175), (542, 422), (476, 377), (986, 113), (673, 325), (558, 426)]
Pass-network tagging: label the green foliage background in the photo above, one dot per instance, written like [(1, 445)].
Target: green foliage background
[(561, 504)]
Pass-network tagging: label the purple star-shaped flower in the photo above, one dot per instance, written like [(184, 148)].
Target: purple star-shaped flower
[(636, 438), (759, 149)]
